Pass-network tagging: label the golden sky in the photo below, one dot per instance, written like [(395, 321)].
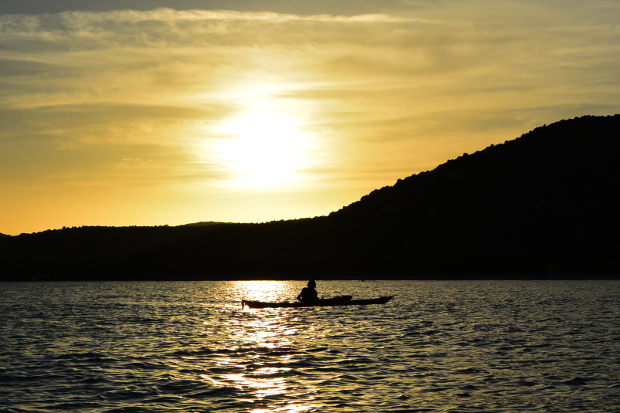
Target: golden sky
[(137, 113)]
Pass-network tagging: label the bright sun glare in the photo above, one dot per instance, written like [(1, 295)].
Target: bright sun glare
[(265, 145)]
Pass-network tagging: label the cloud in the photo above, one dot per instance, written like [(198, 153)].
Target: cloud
[(84, 57), (196, 28), (280, 6)]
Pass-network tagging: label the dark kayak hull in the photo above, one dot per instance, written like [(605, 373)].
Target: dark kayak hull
[(329, 302)]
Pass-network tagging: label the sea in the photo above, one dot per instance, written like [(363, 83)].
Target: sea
[(437, 346)]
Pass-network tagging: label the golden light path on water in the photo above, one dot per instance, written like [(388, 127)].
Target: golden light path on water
[(266, 290), (276, 335)]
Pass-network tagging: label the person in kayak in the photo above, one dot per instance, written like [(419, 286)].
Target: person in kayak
[(308, 294)]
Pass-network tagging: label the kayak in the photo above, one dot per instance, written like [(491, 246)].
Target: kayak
[(325, 302)]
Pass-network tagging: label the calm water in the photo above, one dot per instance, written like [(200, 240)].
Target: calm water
[(448, 346)]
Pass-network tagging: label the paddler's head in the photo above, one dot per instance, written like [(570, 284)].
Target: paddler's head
[(311, 284)]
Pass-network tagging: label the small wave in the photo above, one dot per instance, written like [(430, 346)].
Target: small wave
[(129, 409), (576, 381), (193, 352)]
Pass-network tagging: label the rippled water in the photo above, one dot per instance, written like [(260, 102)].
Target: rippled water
[(446, 346)]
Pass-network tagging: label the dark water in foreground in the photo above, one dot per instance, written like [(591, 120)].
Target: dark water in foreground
[(448, 346)]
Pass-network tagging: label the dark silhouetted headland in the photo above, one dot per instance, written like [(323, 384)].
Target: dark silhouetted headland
[(540, 206)]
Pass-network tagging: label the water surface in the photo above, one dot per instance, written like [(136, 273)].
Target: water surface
[(439, 346)]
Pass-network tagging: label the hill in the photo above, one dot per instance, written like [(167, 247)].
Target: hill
[(542, 205), (544, 202)]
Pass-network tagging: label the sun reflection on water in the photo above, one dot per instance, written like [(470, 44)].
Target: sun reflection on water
[(265, 290), (262, 351)]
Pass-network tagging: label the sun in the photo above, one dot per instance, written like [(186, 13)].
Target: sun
[(264, 147)]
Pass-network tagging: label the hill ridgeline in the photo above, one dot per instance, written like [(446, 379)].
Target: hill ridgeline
[(541, 206)]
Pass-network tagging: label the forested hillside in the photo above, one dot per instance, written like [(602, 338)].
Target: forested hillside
[(542, 205)]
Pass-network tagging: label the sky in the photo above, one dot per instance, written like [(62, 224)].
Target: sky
[(156, 112)]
